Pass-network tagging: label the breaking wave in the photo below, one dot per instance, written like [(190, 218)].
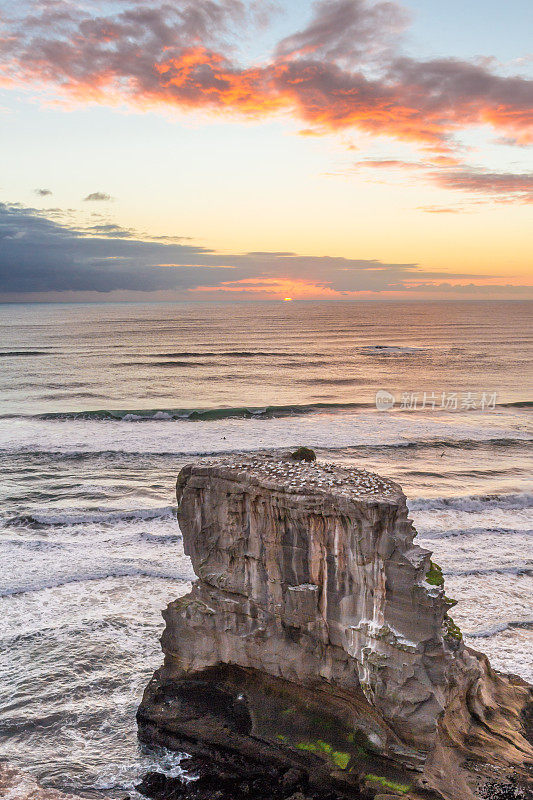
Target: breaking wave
[(22, 353), (37, 521), (96, 575), (516, 571), (464, 532), (230, 412), (526, 624), (243, 412), (473, 502)]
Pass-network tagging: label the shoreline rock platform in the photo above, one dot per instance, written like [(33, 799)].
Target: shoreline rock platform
[(315, 656)]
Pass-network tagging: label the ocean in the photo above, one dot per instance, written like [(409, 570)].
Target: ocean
[(100, 406)]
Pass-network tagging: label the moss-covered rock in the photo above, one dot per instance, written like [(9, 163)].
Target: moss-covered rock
[(402, 788), (434, 575), (451, 629), (303, 454)]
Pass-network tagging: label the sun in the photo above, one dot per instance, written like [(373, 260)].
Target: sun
[(287, 299)]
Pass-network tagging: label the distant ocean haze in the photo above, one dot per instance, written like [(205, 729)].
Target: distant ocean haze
[(101, 405)]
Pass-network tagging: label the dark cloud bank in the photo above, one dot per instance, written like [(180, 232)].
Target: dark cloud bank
[(39, 255)]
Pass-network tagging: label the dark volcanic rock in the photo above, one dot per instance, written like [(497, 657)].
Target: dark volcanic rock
[(317, 639), (503, 791), (233, 782)]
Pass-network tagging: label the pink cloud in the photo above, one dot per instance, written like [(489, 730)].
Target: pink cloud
[(341, 71), (506, 186)]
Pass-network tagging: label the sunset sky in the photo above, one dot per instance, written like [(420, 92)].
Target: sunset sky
[(233, 149)]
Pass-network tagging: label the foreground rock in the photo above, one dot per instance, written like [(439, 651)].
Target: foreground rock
[(318, 639)]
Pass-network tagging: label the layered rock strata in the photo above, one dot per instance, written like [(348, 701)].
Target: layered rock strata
[(318, 636)]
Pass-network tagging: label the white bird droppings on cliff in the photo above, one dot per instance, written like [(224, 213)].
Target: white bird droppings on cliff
[(308, 478)]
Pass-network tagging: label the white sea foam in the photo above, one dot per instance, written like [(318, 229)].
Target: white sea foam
[(494, 630), (70, 642), (95, 550), (90, 498), (157, 415), (489, 600), (104, 517), (474, 502), (448, 520), (508, 651), (79, 576), (321, 430)]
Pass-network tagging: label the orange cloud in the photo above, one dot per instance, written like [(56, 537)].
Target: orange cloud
[(201, 78), (277, 287), (280, 288), (341, 71)]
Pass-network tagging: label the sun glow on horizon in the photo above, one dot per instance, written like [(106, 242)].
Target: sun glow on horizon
[(388, 177)]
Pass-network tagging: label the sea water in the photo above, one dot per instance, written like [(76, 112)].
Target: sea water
[(100, 406)]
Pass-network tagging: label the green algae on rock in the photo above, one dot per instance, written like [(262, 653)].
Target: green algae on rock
[(303, 454)]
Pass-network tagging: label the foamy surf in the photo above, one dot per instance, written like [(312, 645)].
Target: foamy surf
[(525, 624), (98, 575), (509, 501), (66, 519), (89, 467), (319, 430)]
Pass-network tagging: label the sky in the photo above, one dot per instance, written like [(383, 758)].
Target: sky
[(259, 150)]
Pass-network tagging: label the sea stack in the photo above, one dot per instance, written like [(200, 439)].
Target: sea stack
[(317, 642)]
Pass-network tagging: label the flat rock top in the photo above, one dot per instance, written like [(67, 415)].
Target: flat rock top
[(301, 477)]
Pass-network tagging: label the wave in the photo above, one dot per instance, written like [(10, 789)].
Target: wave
[(66, 393), (22, 353), (227, 354), (462, 573), (231, 412), (473, 502), (39, 545), (243, 412), (110, 455), (38, 521), (119, 572), (155, 538), (461, 444), (331, 381), (526, 624), (390, 350), (379, 448), (454, 532), (168, 364)]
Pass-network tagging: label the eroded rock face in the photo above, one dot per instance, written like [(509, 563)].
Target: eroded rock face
[(325, 630)]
